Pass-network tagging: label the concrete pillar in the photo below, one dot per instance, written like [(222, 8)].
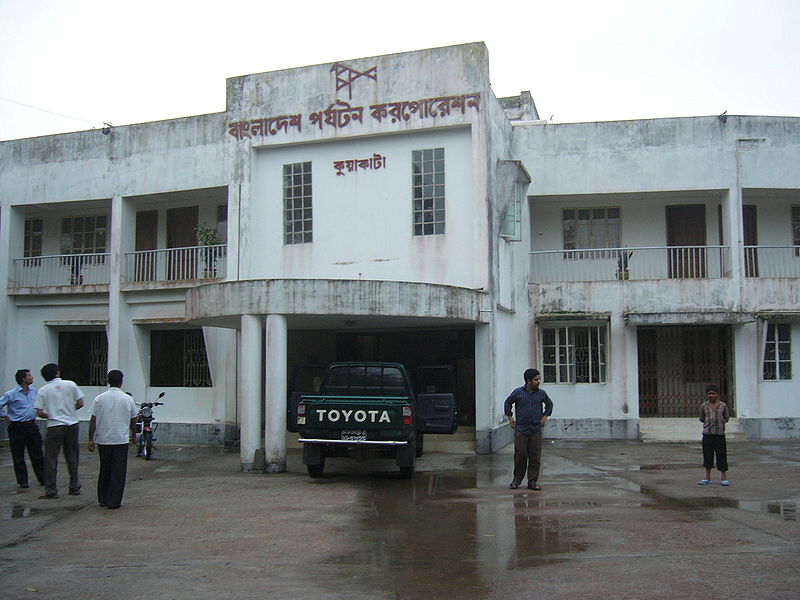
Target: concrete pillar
[(250, 390), (275, 397), (117, 315)]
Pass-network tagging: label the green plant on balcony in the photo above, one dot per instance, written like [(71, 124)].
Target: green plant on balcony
[(207, 237), (623, 256)]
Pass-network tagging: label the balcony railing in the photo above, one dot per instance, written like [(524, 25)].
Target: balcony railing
[(612, 264), (176, 264), (61, 270), (772, 261)]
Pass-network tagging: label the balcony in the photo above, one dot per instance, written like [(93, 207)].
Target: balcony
[(623, 264), (175, 265), (86, 270), (778, 262)]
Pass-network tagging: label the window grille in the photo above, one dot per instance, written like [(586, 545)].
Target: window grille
[(83, 356), (428, 191), (178, 358), (574, 354), (778, 352)]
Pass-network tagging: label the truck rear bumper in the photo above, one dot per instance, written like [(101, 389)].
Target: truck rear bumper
[(352, 442)]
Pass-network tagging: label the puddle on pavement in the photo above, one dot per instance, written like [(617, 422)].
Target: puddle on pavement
[(786, 509), (429, 534)]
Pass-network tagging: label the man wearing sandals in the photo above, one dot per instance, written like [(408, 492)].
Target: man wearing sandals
[(532, 407), (714, 415)]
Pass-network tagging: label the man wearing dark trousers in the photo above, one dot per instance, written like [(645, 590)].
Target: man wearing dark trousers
[(59, 401), (16, 407), (532, 407), (111, 428)]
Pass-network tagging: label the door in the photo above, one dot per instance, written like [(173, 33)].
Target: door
[(750, 238), (436, 400), (677, 362), (305, 379), (144, 267), (686, 229), (181, 235)]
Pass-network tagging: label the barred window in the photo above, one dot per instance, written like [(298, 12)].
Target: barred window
[(428, 191), (178, 358), (574, 354), (83, 235), (83, 356), (778, 352), (591, 228), (297, 217), (33, 238)]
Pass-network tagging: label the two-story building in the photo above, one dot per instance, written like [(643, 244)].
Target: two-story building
[(392, 208)]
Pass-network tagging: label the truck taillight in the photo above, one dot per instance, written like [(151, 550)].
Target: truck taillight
[(301, 414), (406, 415)]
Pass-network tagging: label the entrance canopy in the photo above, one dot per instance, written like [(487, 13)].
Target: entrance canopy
[(307, 301)]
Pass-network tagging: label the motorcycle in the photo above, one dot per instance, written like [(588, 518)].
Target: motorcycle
[(145, 421)]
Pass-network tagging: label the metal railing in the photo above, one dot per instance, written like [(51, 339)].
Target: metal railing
[(620, 264), (61, 269), (772, 261), (176, 264)]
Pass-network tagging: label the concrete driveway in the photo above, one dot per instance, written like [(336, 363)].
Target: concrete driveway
[(614, 520)]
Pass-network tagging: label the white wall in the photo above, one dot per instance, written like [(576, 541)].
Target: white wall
[(363, 221)]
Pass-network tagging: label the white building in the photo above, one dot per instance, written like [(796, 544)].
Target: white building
[(376, 209)]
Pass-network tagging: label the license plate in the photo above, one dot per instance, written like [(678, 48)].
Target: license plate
[(354, 435)]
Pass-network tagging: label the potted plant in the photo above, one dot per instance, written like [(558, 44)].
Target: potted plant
[(207, 237), (623, 256)]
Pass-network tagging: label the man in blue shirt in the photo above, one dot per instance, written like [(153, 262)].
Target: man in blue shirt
[(16, 407), (532, 407)]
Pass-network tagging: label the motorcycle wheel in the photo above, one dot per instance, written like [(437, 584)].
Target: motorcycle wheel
[(147, 445)]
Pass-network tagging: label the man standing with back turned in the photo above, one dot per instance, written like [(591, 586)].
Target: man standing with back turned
[(59, 401), (16, 407), (533, 407), (112, 428)]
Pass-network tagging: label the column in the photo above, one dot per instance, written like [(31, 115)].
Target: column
[(275, 397), (250, 390)]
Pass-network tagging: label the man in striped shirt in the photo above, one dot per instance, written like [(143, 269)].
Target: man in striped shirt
[(714, 415)]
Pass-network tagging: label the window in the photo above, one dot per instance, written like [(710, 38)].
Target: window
[(796, 228), (427, 168), (178, 358), (83, 356), (33, 238), (574, 354), (83, 235), (512, 224), (778, 352), (297, 218), (591, 228)]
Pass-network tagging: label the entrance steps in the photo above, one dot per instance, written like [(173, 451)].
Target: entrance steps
[(460, 442), (683, 430)]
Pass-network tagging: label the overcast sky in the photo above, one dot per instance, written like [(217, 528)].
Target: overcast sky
[(95, 61)]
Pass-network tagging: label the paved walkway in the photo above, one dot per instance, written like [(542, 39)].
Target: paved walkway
[(614, 520)]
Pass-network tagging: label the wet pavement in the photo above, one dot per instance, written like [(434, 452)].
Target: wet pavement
[(614, 520)]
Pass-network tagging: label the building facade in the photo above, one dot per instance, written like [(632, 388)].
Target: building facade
[(392, 208)]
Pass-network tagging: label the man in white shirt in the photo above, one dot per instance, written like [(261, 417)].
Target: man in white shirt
[(59, 402), (112, 427)]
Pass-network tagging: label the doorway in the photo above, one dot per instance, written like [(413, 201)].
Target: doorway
[(675, 365), (182, 236), (686, 229), (750, 238)]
